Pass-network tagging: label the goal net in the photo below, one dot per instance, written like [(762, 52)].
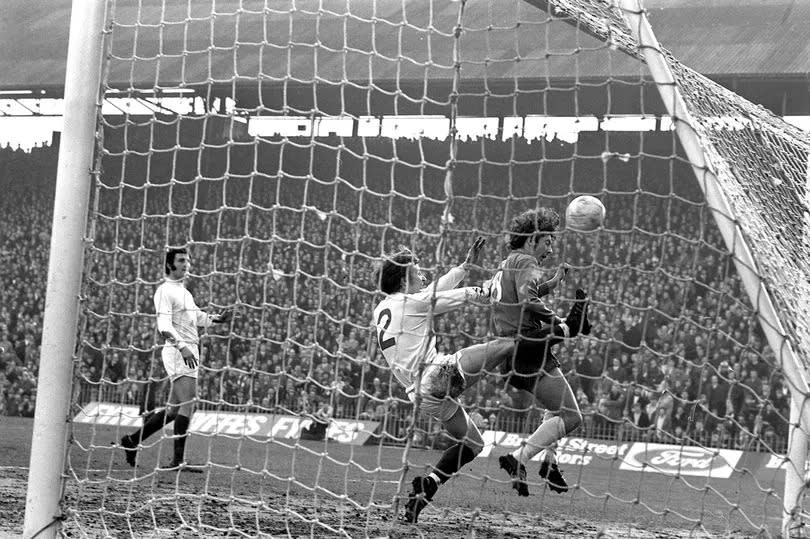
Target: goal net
[(291, 145)]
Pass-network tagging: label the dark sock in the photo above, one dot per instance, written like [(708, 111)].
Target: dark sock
[(148, 401), (180, 430), (153, 423), (453, 459)]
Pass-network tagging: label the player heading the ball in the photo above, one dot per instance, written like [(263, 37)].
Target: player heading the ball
[(433, 380), (519, 311)]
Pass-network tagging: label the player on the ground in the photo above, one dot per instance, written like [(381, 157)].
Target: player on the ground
[(177, 319), (519, 311), (403, 322)]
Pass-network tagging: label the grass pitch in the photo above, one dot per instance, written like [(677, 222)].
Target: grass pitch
[(325, 489)]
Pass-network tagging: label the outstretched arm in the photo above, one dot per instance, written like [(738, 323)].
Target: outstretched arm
[(205, 320), (445, 301), (449, 280), (452, 278)]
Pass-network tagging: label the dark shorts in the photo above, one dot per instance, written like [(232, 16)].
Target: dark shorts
[(532, 359)]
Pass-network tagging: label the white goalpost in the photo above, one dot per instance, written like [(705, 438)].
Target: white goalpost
[(320, 135), (74, 178), (734, 238)]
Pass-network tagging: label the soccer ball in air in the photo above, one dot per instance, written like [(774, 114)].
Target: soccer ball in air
[(585, 213)]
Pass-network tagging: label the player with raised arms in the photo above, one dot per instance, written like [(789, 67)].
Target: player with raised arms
[(403, 321), (177, 320), (519, 311)]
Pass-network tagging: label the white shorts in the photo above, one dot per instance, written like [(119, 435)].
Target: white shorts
[(434, 383), (175, 365)]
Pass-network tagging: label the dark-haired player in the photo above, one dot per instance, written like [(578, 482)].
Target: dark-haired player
[(520, 312), (403, 323), (177, 320)]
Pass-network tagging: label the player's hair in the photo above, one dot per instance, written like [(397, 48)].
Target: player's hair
[(395, 268), (171, 253), (529, 223)]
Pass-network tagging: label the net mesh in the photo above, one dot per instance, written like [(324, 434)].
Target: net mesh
[(322, 135), (762, 164)]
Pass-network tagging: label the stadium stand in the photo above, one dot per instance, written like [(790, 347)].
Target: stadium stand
[(674, 368)]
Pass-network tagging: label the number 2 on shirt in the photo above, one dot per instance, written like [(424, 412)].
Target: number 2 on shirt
[(389, 342)]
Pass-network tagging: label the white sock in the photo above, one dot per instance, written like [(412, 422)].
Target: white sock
[(546, 434), (566, 330), (550, 454), (434, 477)]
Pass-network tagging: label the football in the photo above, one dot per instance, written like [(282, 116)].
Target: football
[(585, 213)]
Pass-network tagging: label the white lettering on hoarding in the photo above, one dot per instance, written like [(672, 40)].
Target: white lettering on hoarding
[(574, 451), (231, 423)]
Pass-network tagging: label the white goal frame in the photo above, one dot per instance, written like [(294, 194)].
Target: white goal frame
[(75, 169), (636, 19), (71, 201)]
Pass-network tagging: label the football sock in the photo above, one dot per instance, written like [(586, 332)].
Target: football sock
[(453, 459), (550, 453), (153, 423), (180, 430), (546, 434), (435, 477)]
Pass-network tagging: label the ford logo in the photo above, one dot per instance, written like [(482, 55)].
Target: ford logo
[(677, 460)]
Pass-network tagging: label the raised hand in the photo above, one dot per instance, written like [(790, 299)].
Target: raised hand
[(562, 272), (474, 254)]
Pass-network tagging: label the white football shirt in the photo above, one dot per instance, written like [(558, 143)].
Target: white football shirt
[(178, 315), (403, 327)]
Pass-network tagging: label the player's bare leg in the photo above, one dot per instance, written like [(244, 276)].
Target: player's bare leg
[(480, 359), (549, 469), (550, 388), (550, 453), (182, 398), (470, 443), (555, 395)]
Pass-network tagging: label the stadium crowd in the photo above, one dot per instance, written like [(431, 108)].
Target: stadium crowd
[(676, 350)]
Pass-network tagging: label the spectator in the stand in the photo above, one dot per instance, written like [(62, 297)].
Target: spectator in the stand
[(7, 352), (611, 410), (772, 419), (716, 395), (639, 418), (680, 419), (617, 372), (754, 382), (26, 347)]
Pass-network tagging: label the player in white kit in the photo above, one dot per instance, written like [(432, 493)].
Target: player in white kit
[(177, 320), (403, 322)]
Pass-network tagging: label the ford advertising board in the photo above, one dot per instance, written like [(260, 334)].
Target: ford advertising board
[(680, 460)]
